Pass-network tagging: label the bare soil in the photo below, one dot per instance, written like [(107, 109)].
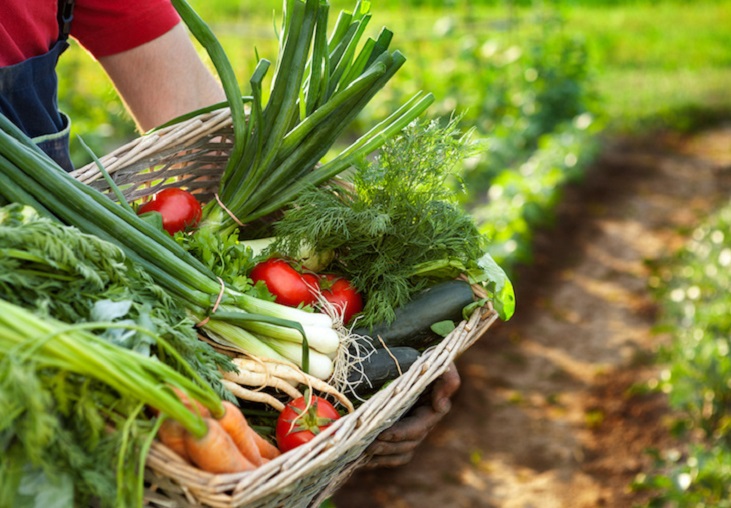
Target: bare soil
[(552, 410)]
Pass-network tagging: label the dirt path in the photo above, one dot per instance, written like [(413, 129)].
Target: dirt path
[(547, 416)]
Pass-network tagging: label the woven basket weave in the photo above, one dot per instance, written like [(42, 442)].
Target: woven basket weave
[(192, 154)]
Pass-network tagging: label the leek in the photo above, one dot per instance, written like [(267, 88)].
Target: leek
[(34, 178), (320, 85)]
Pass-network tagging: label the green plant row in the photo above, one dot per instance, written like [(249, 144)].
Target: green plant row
[(540, 119), (523, 198), (695, 300)]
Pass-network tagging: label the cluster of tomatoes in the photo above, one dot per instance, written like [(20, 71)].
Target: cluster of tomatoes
[(294, 288)]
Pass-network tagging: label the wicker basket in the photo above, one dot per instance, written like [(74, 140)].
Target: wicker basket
[(191, 154)]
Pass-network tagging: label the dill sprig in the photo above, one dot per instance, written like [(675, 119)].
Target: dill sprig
[(399, 227)]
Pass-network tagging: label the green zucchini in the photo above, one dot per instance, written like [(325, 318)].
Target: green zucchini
[(412, 326), (380, 367)]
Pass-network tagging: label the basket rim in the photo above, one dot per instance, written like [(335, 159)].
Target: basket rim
[(157, 141)]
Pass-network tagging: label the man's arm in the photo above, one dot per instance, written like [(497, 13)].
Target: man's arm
[(162, 79)]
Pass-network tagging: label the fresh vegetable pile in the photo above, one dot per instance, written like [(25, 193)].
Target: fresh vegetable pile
[(236, 330)]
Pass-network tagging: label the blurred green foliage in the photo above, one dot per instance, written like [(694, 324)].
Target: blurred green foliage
[(693, 290), (656, 62), (661, 64)]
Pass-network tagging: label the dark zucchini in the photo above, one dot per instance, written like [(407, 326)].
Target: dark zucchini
[(380, 367), (412, 325)]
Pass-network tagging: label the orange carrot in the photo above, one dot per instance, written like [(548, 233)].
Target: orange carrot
[(172, 434), (234, 423), (267, 450), (216, 452), (195, 406)]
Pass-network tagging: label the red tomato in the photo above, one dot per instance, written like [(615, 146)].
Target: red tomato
[(179, 209), (289, 286), (342, 295), (298, 424)]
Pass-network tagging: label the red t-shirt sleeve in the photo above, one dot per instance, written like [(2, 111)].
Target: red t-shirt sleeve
[(106, 27), (28, 28)]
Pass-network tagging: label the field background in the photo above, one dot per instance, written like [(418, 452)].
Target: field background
[(648, 60), (538, 81)]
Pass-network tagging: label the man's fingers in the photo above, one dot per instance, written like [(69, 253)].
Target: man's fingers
[(392, 448), (444, 388), (414, 427), (389, 461), (395, 446)]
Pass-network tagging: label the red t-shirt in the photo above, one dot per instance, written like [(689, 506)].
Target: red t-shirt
[(104, 27)]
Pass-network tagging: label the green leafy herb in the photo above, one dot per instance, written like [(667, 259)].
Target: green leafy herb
[(71, 406), (60, 272), (399, 227), (222, 253)]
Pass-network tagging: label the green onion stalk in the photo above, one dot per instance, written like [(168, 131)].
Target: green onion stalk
[(73, 406), (75, 349), (28, 176), (320, 85)]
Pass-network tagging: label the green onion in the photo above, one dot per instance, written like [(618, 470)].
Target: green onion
[(316, 336), (74, 349), (202, 32), (229, 335), (319, 87), (33, 178), (321, 366)]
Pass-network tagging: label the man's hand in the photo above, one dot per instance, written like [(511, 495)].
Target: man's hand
[(395, 446)]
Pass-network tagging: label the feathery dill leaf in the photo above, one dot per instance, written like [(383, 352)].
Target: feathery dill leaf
[(399, 217)]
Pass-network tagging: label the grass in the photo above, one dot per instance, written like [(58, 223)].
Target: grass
[(655, 63), (660, 63), (684, 100), (651, 59)]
